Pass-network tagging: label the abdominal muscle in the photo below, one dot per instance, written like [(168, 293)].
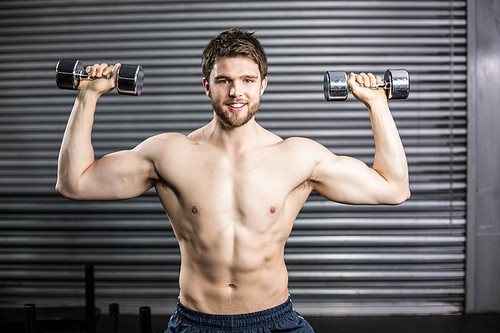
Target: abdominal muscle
[(233, 270)]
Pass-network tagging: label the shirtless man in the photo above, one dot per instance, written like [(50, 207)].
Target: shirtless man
[(231, 188)]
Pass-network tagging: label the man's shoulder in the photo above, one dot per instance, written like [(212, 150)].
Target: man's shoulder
[(305, 149), (162, 143), (166, 139), (300, 143)]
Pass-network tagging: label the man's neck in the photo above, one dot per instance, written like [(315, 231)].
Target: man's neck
[(234, 140)]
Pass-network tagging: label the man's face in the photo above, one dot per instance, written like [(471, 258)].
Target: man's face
[(235, 87)]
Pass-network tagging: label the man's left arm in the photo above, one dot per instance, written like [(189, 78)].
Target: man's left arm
[(348, 180)]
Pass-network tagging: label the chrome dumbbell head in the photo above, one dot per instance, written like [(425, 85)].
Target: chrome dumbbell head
[(335, 86), (399, 83)]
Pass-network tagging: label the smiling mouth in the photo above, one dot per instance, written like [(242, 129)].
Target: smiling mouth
[(236, 106)]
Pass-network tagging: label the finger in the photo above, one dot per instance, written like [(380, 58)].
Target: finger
[(88, 69), (366, 79), (116, 67), (358, 78), (93, 70), (379, 79), (352, 80), (101, 69), (373, 80), (108, 70)]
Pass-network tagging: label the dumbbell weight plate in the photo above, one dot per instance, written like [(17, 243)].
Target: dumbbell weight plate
[(335, 86), (130, 79), (66, 70), (399, 81)]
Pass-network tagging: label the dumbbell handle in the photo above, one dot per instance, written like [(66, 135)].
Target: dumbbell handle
[(383, 85), (87, 76)]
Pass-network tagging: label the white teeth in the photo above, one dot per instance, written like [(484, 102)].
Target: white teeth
[(236, 105)]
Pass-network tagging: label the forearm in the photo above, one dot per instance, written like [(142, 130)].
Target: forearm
[(77, 153), (390, 158)]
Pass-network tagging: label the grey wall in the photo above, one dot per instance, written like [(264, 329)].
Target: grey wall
[(342, 259), (483, 259)]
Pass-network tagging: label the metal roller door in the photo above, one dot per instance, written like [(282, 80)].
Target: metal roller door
[(342, 259)]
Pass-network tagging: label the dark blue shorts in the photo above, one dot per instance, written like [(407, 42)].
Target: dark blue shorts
[(282, 318)]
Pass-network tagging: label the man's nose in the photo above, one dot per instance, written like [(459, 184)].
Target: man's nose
[(236, 90)]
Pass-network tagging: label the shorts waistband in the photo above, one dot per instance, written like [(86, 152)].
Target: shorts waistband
[(246, 320)]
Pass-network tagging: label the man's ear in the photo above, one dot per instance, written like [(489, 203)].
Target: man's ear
[(206, 86), (263, 85)]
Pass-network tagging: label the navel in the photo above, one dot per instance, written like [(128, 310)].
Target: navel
[(194, 210)]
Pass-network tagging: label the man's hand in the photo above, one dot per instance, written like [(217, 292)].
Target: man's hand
[(367, 96), (100, 85)]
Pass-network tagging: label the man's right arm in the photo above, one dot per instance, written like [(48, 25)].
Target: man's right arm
[(116, 176)]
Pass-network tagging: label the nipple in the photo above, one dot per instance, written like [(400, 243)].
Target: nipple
[(194, 210), (272, 210)]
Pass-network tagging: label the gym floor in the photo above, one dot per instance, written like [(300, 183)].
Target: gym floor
[(480, 323)]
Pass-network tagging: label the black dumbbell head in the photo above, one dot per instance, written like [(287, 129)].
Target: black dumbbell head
[(66, 70), (130, 79), (399, 83)]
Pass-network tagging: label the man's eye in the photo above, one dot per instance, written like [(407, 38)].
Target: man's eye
[(223, 81), (249, 81)]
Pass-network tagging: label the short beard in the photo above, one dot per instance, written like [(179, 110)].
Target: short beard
[(232, 121)]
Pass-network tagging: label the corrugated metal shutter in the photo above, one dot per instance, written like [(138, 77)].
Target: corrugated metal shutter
[(341, 259)]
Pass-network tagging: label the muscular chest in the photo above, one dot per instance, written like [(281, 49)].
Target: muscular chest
[(247, 182), (212, 185)]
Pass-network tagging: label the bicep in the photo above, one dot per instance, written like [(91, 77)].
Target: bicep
[(121, 175), (348, 180)]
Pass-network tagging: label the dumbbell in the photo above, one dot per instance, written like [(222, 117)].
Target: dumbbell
[(396, 84), (129, 79)]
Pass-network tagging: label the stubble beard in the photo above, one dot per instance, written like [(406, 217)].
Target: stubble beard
[(233, 120)]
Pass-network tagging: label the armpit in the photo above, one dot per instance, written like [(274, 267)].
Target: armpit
[(305, 185)]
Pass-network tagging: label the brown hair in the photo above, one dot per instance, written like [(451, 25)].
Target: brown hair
[(234, 42)]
